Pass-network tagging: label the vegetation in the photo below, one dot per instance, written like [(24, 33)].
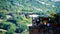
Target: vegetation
[(13, 17)]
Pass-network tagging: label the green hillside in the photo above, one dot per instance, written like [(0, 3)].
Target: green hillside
[(13, 13)]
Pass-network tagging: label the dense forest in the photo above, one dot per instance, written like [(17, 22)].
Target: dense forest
[(14, 13)]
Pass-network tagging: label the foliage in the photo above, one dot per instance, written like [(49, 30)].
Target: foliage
[(17, 7), (10, 27)]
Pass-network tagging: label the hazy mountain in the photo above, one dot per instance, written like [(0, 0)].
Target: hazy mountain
[(42, 6)]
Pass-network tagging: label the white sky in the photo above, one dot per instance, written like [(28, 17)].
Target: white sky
[(55, 0)]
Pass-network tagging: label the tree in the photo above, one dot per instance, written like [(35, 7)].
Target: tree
[(10, 27)]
